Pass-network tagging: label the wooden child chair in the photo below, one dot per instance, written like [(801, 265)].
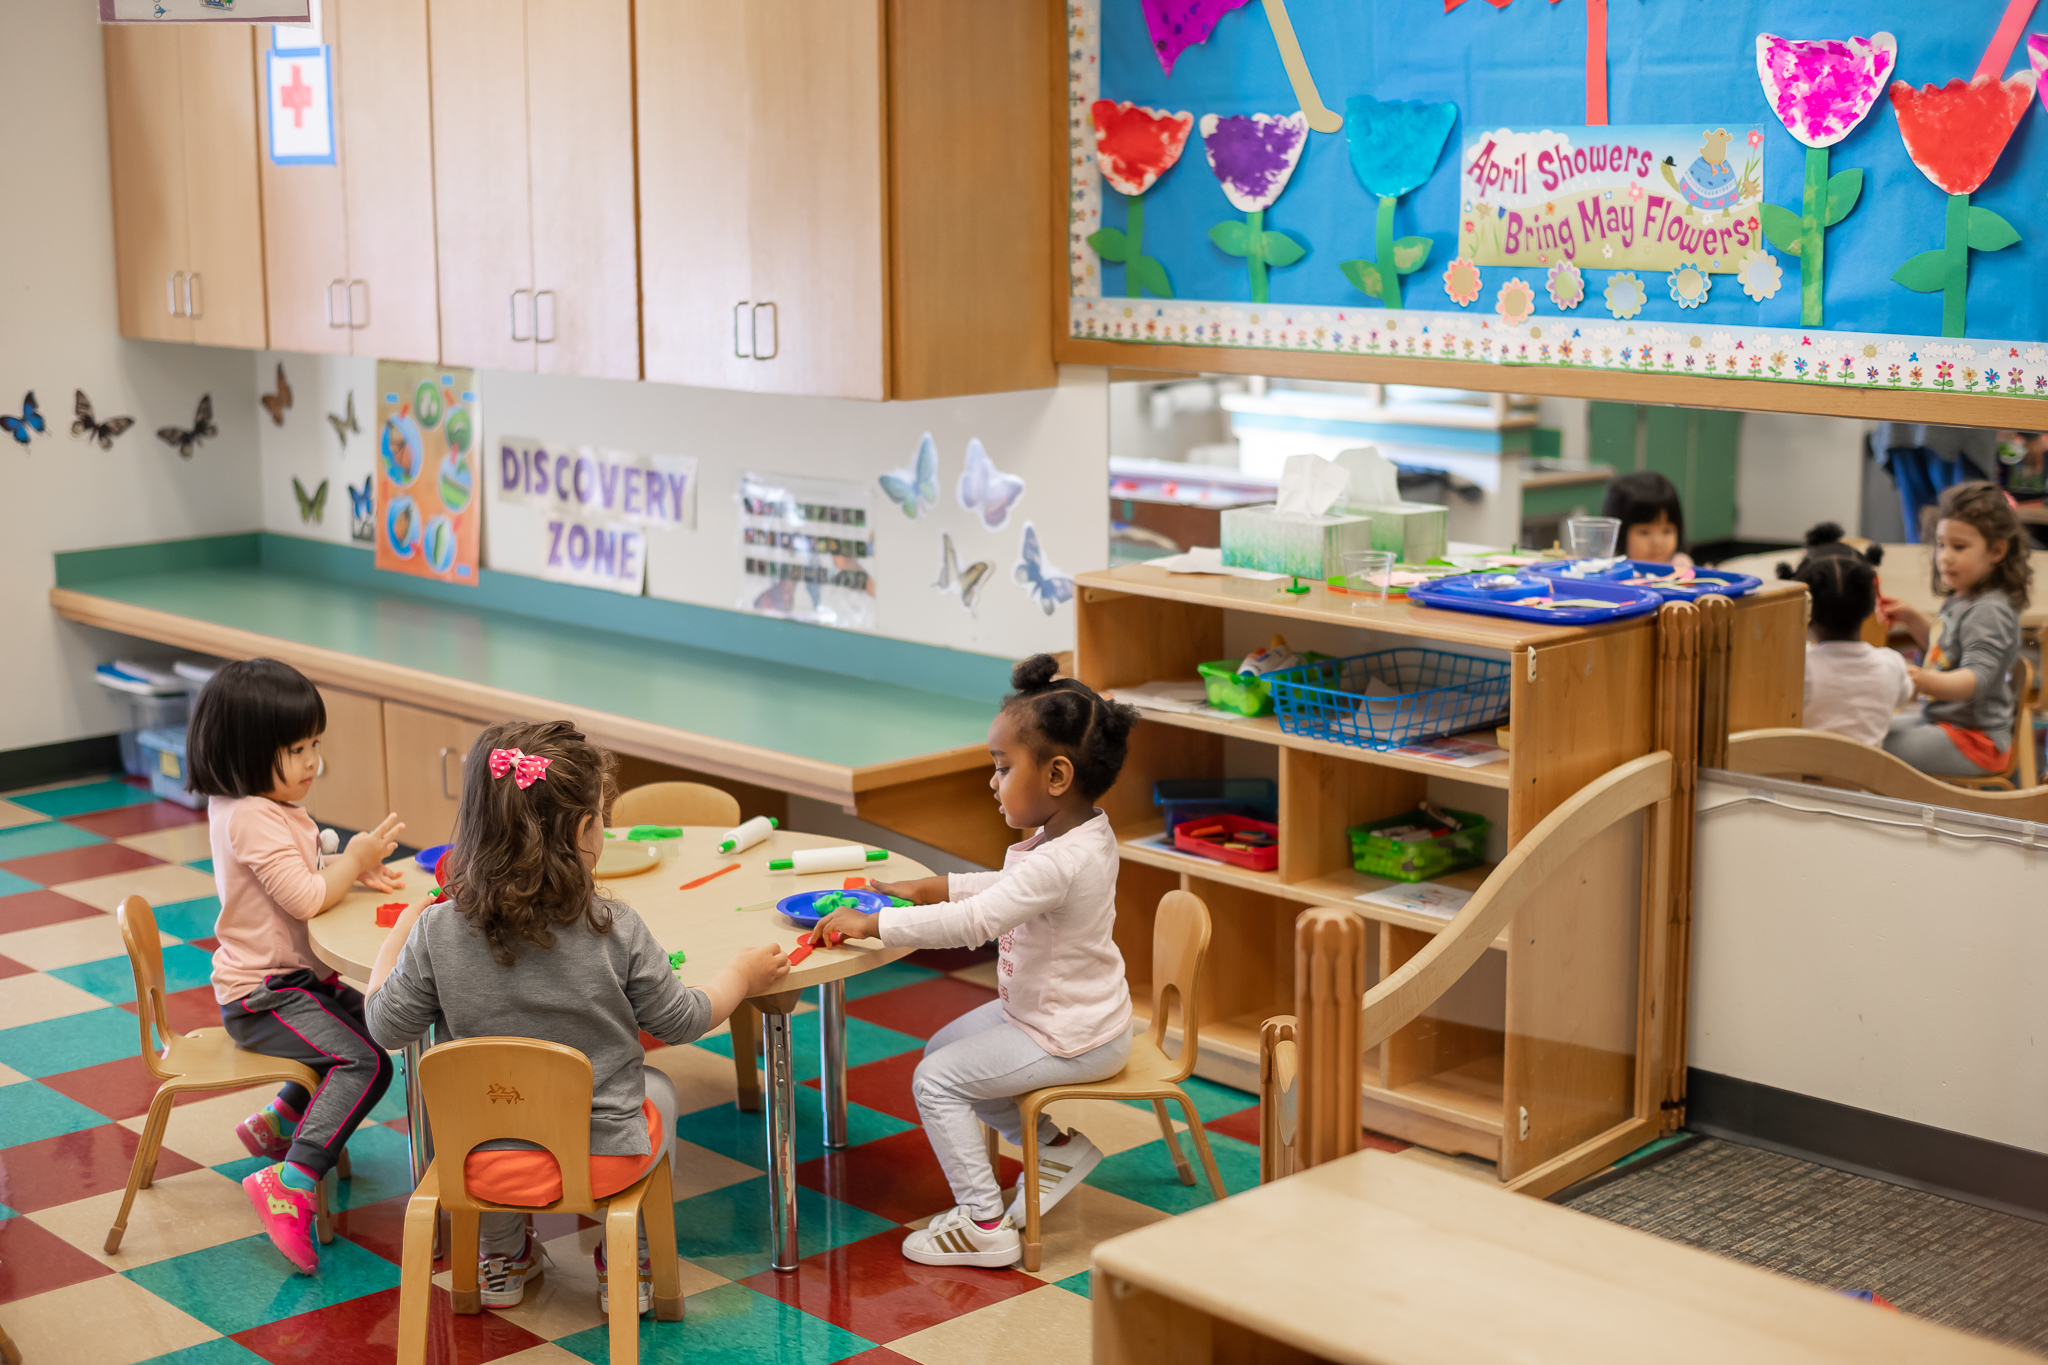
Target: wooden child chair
[(1180, 940), (203, 1060), (2020, 770), (9, 1352), (480, 1090)]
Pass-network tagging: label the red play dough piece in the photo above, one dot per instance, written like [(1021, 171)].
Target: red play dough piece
[(388, 913)]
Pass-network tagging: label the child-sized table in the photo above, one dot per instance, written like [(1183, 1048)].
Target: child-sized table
[(704, 923)]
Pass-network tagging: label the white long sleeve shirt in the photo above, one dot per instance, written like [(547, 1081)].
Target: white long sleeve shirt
[(1052, 913)]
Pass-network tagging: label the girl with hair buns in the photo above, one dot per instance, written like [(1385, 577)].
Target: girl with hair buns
[(1062, 1013)]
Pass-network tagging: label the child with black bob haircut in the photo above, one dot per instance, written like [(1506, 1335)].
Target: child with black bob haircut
[(1652, 521), (1062, 1012), (1852, 687)]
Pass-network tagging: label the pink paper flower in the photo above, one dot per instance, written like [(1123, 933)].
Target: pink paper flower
[(1461, 282), (1516, 302), (1822, 89)]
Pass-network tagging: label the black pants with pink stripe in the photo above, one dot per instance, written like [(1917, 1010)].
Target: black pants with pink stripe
[(296, 1015)]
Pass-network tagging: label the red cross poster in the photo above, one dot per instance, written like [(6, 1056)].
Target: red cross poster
[(301, 106), (429, 502)]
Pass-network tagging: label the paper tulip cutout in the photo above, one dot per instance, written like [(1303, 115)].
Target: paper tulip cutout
[(1820, 90), (1253, 155), (1135, 146), (2037, 57), (1394, 149), (1954, 134), (1177, 25)]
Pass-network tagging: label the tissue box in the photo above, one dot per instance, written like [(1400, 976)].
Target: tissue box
[(1265, 538), (1416, 532)]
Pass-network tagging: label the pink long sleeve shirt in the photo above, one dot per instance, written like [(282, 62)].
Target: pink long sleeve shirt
[(266, 860), (1052, 913)]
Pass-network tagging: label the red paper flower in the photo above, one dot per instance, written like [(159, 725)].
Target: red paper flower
[(1954, 133), (1136, 145)]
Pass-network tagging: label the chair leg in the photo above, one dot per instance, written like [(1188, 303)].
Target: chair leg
[(153, 1134), (139, 1169), (746, 1043), (1180, 1161), (462, 1229), (622, 1263), (1201, 1137), (1028, 1182), (9, 1352), (341, 1166), (657, 1207), (416, 1271), (995, 1154)]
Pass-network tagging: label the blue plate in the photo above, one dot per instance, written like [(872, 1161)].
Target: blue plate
[(1669, 585), (799, 908), (427, 859)]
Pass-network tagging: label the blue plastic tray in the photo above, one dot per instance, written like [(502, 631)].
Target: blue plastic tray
[(798, 909), (1498, 594), (1703, 581), (427, 859)]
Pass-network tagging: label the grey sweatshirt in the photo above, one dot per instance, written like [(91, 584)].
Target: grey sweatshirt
[(592, 992), (1980, 632)]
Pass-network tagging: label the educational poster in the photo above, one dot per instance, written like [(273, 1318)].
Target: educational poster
[(299, 87), (806, 546), (204, 11), (597, 507), (429, 512)]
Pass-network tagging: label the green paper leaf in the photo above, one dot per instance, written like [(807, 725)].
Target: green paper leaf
[(1109, 244), (1783, 227), (1989, 232), (1844, 188), (1411, 254), (1147, 274), (1926, 273), (1232, 236), (1280, 249), (1364, 277)]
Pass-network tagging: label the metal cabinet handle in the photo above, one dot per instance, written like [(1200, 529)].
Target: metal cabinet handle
[(747, 354), (547, 334), (171, 291), (334, 318), (774, 331), (358, 319), (515, 315), (444, 772), (193, 298)]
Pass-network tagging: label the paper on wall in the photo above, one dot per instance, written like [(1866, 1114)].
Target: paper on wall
[(805, 547), (429, 505), (205, 11), (299, 87)]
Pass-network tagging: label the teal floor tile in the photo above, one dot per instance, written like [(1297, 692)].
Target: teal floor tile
[(726, 1231), (728, 1131), (880, 979), (52, 836), (729, 1325), (66, 1044), (11, 885), (1146, 1173), (378, 1166), (6, 1213), (219, 1351), (1212, 1101), (189, 919), (204, 865), (111, 978), (865, 1043), (247, 1283), (1076, 1284), (84, 799), (242, 1167), (31, 1112), (392, 1106)]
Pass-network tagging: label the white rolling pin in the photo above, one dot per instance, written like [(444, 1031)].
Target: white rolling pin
[(745, 836), (843, 858)]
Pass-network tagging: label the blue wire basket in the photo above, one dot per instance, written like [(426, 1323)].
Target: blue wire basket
[(1424, 693)]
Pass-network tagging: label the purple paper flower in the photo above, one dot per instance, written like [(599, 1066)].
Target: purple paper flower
[(1253, 154), (1822, 89)]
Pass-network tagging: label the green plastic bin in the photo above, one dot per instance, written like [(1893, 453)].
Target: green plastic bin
[(1242, 695), (1379, 856)]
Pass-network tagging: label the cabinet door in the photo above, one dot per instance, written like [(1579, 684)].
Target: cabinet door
[(579, 104), (815, 206), (146, 159), (223, 203), (305, 232), (350, 791), (423, 755), (387, 140), (693, 130), (482, 223)]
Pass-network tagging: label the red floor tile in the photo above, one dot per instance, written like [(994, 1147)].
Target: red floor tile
[(204, 945), (33, 1261), (401, 1124), (366, 1330), (880, 1355), (190, 1009), (76, 864), (379, 1227), (868, 1288), (922, 1009), (896, 1177), (9, 967), (58, 1170), (884, 1085), (123, 821), (34, 909), (951, 959)]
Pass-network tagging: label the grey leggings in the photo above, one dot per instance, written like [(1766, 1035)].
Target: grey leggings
[(1926, 746), (503, 1234), (973, 1070)]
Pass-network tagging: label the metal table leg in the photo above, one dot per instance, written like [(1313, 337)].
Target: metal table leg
[(420, 1142), (781, 1108), (832, 1053)]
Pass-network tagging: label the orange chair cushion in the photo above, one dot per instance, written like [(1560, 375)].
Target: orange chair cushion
[(533, 1179)]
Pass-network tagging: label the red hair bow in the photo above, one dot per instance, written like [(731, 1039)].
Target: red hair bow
[(526, 769)]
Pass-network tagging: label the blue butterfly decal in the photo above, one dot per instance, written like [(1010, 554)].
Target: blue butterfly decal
[(362, 512), (1045, 583), (917, 488), (31, 419)]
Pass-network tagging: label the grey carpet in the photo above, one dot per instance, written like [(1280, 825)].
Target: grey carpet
[(1954, 1263)]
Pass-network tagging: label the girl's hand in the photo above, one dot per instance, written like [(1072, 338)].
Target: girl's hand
[(923, 891), (1918, 676), (370, 848), (381, 878), (760, 968), (394, 941), (848, 923)]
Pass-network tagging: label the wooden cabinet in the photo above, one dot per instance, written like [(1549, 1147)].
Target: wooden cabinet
[(351, 789), (182, 148), (845, 199), (423, 756), (350, 246), (533, 185)]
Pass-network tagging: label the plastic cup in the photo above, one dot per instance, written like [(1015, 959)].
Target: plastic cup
[(1591, 537), (1369, 575)]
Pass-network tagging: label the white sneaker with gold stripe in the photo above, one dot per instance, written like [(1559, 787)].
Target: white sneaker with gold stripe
[(1060, 1170), (954, 1238)]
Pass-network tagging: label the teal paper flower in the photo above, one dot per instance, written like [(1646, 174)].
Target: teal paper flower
[(1394, 149)]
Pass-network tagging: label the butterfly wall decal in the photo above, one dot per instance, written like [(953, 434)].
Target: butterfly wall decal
[(986, 490), (276, 403), (916, 489), (966, 582), (31, 419), (314, 508), (345, 422), (1046, 584), (186, 440), (362, 512), (91, 429)]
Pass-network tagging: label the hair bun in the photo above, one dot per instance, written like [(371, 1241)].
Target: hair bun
[(1873, 554), (1827, 533), (1034, 674), (1785, 570)]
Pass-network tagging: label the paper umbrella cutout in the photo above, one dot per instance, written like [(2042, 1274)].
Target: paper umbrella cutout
[(1394, 148), (1253, 156), (1177, 25), (1134, 147)]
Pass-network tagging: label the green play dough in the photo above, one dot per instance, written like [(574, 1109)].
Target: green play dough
[(646, 832), (677, 959)]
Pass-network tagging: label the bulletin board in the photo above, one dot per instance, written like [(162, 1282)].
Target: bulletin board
[(1846, 204)]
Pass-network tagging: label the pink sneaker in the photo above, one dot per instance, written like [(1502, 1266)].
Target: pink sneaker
[(286, 1214), (259, 1134)]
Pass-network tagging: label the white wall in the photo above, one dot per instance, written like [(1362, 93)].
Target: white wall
[(1796, 471), (58, 334)]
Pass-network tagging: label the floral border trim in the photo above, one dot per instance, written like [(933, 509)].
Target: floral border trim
[(1084, 188)]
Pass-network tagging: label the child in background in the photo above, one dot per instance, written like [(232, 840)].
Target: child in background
[(254, 750), (526, 947), (1980, 562), (1852, 687), (1062, 1013), (1652, 522)]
